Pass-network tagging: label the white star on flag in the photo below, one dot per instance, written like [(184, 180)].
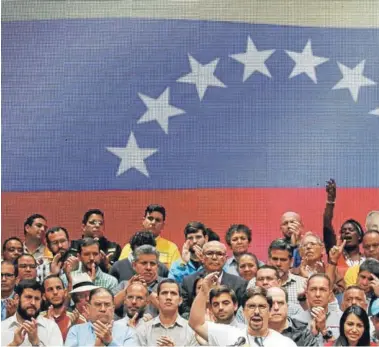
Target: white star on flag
[(375, 112), (132, 156), (159, 110), (306, 62), (202, 76), (253, 60), (353, 79)]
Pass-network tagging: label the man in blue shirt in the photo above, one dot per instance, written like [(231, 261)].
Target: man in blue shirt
[(191, 262), (100, 330), (8, 282)]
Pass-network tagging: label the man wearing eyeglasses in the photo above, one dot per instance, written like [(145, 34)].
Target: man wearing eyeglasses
[(26, 267), (154, 221), (8, 282), (214, 258), (256, 310), (93, 226)]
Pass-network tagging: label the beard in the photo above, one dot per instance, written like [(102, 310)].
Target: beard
[(55, 305), (141, 312), (24, 315)]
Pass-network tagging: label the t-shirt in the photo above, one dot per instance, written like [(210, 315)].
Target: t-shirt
[(226, 335)]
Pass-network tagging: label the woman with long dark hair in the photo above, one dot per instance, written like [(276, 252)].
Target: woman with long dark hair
[(354, 328)]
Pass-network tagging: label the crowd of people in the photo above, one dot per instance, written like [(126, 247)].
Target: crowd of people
[(312, 291)]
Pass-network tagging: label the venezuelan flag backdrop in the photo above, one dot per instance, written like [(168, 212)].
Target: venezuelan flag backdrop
[(222, 111)]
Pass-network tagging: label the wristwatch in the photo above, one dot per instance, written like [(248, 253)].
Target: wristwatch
[(328, 335)]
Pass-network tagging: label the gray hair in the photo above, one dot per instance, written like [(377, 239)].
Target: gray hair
[(145, 249)]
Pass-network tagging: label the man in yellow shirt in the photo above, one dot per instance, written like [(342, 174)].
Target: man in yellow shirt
[(154, 220), (370, 250)]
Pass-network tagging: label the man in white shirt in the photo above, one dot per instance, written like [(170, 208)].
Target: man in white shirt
[(256, 310), (25, 327)]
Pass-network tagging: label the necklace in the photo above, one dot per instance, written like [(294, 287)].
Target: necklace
[(350, 262)]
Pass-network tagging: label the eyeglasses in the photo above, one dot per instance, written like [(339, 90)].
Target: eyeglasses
[(57, 242), (7, 275), (212, 254), (96, 222), (310, 244), (254, 307), (24, 266)]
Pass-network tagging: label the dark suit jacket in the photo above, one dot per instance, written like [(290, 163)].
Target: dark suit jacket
[(123, 270), (236, 283)]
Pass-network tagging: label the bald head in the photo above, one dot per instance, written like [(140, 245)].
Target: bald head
[(288, 222), (372, 221), (214, 244)]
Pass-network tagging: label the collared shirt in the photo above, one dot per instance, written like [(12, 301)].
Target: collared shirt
[(180, 332), (332, 322), (231, 266), (122, 323), (48, 332), (84, 335), (102, 279), (40, 254), (64, 321), (168, 251), (179, 270), (294, 285), (4, 306)]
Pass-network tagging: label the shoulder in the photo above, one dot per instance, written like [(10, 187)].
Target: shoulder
[(162, 242), (283, 340), (297, 278), (233, 279)]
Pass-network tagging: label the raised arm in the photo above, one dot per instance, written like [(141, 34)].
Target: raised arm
[(329, 234), (198, 310)]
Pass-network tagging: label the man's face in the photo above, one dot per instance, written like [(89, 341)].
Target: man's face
[(58, 242), (247, 267), (375, 322), (94, 227), (371, 245), (29, 304), (146, 266), (223, 308), (281, 260), (101, 307), (239, 243), (135, 300), (169, 298), (8, 279), (37, 229), (288, 221), (354, 297), (13, 249), (214, 257), (350, 234), (256, 312), (55, 293), (318, 292), (90, 255), (154, 222), (279, 309), (27, 268), (363, 281), (83, 300), (373, 222), (311, 248), (266, 278), (197, 239)]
